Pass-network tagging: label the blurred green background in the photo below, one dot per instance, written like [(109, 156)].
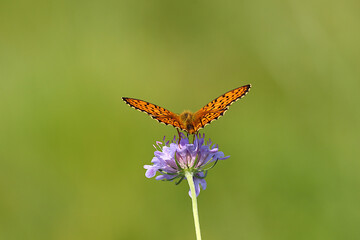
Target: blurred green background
[(72, 153)]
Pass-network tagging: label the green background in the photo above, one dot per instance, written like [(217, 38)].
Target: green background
[(72, 153)]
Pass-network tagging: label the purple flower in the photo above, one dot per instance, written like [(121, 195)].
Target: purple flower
[(172, 159)]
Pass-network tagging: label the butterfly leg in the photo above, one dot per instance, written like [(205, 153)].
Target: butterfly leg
[(179, 135)]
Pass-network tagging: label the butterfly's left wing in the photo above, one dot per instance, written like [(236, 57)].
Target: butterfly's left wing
[(158, 113), (218, 107)]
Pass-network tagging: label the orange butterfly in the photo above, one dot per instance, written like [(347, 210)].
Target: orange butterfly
[(188, 121)]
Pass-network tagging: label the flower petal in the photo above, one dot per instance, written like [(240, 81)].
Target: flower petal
[(151, 171), (223, 158), (165, 177), (197, 183)]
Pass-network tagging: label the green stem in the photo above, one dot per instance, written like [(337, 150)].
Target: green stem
[(189, 177)]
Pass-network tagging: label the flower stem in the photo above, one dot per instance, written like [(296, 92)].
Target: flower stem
[(189, 177)]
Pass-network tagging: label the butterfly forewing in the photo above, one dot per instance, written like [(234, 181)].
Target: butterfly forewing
[(218, 107), (154, 111)]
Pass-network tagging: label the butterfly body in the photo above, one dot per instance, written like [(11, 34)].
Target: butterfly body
[(188, 121)]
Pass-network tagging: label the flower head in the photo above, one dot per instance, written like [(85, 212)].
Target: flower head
[(173, 159)]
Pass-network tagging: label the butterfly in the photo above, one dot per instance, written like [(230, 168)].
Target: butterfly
[(188, 121)]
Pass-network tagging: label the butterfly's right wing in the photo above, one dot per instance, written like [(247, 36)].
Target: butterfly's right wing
[(218, 107), (158, 113)]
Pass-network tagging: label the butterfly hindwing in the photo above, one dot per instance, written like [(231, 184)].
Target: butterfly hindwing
[(218, 107), (158, 113)]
